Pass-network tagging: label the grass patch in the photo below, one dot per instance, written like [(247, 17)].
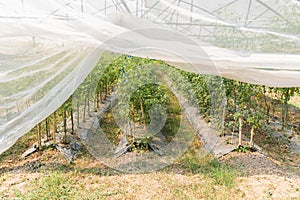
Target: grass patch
[(173, 120), (67, 186), (220, 173), (111, 129), (197, 161), (53, 186)]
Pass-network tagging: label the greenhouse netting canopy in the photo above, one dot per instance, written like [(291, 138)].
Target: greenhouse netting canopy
[(47, 48)]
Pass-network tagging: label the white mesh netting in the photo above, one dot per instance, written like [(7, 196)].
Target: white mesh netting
[(47, 48)]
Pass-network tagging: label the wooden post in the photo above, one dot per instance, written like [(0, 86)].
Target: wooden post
[(84, 110), (72, 121), (78, 115), (133, 120), (223, 117), (240, 130), (39, 137), (100, 93), (88, 103), (65, 124), (286, 108), (251, 137), (105, 90), (97, 105), (47, 128), (54, 129)]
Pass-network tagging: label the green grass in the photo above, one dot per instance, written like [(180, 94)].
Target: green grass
[(220, 173), (208, 166), (63, 186), (53, 186)]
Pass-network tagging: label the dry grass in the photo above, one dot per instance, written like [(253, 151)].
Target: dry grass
[(159, 185), (47, 175)]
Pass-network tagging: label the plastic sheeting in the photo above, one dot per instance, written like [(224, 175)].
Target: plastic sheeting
[(48, 48)]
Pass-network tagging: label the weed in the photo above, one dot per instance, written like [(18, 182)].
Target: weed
[(53, 186), (243, 149), (220, 173), (208, 166)]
